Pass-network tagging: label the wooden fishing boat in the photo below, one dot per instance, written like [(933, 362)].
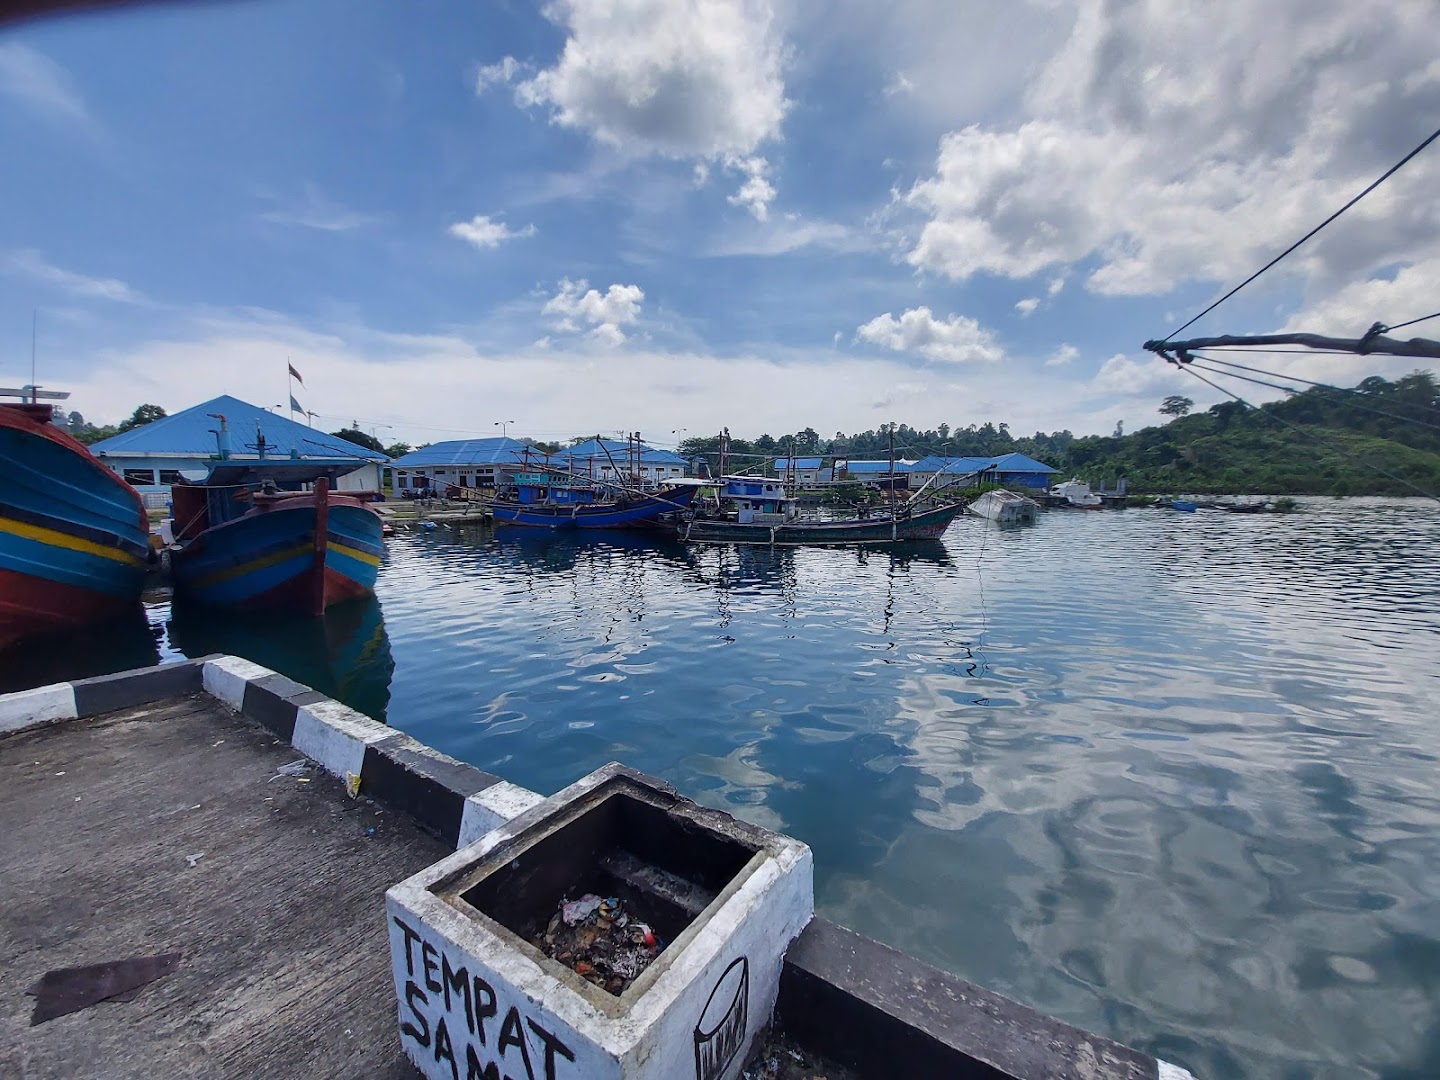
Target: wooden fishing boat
[(563, 501), (879, 529), (248, 536), (74, 537)]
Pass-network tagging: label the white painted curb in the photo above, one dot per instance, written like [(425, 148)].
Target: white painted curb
[(335, 736), (31, 708), (493, 807), (226, 677)]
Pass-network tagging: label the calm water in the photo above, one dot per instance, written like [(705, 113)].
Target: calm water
[(1171, 777)]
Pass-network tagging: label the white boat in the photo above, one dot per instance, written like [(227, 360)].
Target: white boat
[(1005, 507), (1077, 493)]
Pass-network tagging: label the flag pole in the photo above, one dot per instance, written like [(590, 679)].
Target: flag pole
[(290, 387)]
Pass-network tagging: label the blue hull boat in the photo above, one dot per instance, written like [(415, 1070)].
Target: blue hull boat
[(635, 512), (74, 537)]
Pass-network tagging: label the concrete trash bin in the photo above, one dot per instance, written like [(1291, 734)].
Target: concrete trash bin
[(479, 999)]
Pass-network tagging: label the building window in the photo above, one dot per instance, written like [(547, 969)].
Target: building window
[(169, 476), (139, 476), (402, 479)]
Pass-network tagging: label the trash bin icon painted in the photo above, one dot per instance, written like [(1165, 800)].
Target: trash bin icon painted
[(720, 1034)]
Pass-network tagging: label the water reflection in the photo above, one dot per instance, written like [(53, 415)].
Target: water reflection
[(127, 641), (1170, 777), (345, 654)]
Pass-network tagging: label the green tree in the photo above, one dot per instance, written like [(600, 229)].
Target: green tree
[(1176, 405), (399, 449), (359, 438), (144, 414)]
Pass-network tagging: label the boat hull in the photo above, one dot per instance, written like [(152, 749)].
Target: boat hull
[(270, 559), (1004, 508), (74, 537), (924, 526), (638, 513)]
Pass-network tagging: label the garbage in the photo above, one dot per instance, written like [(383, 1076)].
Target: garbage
[(191, 860), (597, 939), (352, 784), (294, 768), (68, 990), (775, 1056)]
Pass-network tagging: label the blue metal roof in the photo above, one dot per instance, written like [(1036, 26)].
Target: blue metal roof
[(800, 463), (595, 449), (881, 467), (190, 432), (963, 466), (492, 451)]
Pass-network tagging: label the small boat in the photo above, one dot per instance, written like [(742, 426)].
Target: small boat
[(568, 501), (1004, 507), (761, 513), (1185, 506), (74, 537), (247, 534), (1076, 494)]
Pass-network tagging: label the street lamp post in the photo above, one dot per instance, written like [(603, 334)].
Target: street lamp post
[(504, 426)]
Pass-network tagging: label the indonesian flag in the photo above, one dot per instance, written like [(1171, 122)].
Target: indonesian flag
[(295, 374)]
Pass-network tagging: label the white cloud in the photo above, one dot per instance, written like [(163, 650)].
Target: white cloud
[(32, 77), (783, 233), (500, 73), (314, 211), (32, 264), (567, 388), (697, 81), (1027, 306), (756, 193), (576, 307), (1125, 377), (1159, 172), (1065, 354), (957, 339), (1053, 289), (484, 232), (900, 85)]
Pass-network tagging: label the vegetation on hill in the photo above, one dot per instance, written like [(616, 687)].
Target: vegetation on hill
[(1324, 441)]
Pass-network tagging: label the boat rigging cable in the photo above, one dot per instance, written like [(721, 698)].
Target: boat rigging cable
[(1311, 435), (1375, 184)]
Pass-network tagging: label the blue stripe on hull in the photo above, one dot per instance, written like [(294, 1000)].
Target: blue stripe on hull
[(47, 478), (245, 542), (594, 517), (80, 569)]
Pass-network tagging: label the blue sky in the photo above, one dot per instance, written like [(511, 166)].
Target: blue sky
[(604, 215)]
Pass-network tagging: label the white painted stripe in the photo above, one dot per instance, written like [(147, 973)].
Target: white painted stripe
[(493, 807), (335, 736), (30, 708), (225, 678)]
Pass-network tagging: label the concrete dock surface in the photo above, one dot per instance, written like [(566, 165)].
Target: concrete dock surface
[(279, 922)]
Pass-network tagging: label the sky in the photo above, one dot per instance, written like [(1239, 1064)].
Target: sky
[(595, 216)]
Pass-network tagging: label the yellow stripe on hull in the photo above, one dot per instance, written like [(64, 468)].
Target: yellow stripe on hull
[(279, 557), (56, 538), (250, 567), (362, 556)]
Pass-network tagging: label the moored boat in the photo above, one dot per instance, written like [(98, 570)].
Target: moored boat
[(1076, 494), (1004, 507), (248, 536), (565, 501), (760, 513), (74, 537)]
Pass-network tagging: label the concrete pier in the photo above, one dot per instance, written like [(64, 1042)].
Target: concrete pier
[(219, 812), (284, 966)]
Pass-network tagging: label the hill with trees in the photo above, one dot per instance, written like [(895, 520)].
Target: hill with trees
[(1322, 441)]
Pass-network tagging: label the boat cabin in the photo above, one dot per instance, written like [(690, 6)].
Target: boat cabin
[(546, 489), (758, 500)]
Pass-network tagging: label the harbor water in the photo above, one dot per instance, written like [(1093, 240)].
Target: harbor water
[(1171, 777)]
